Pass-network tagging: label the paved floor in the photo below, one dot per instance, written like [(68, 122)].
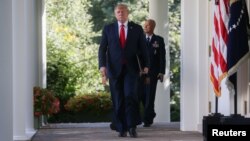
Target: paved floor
[(102, 132)]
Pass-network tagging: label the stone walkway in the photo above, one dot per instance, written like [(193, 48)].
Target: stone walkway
[(102, 132)]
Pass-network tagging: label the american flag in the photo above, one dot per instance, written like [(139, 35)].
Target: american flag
[(229, 43), (218, 66)]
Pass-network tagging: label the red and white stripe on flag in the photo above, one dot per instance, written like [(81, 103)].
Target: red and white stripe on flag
[(218, 66)]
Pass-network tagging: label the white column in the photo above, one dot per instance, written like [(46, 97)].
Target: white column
[(19, 69), (6, 78), (41, 17), (25, 69), (189, 64), (19, 85), (195, 63), (203, 62), (158, 10), (32, 73)]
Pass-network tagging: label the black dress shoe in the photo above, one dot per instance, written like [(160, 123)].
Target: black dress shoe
[(132, 132), (112, 126), (122, 134), (146, 125)]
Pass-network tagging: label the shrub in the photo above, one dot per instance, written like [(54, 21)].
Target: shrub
[(45, 103), (96, 104)]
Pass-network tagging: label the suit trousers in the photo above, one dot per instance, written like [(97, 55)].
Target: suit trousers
[(147, 97), (125, 100)]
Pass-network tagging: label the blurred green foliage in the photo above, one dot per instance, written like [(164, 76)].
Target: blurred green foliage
[(174, 15)]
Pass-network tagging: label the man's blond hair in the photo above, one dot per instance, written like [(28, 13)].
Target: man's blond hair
[(121, 5)]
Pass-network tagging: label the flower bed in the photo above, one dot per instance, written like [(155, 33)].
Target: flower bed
[(85, 108), (95, 103), (45, 103)]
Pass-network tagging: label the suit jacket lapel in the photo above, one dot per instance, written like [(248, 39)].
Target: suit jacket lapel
[(152, 39), (130, 29), (116, 33)]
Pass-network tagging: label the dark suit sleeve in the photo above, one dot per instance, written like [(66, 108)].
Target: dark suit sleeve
[(162, 55), (103, 49), (144, 50)]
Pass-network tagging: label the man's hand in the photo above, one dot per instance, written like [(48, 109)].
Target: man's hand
[(104, 80), (160, 77), (103, 71), (145, 70)]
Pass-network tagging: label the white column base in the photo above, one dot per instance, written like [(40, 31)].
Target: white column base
[(200, 127), (162, 107), (27, 137)]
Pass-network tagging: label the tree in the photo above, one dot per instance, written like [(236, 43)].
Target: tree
[(71, 52)]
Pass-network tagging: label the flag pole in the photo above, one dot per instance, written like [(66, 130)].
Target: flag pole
[(235, 95), (216, 104), (233, 80)]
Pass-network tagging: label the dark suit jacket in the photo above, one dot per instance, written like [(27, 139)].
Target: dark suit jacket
[(111, 55), (157, 55)]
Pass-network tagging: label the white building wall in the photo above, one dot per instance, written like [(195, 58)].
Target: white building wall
[(243, 79), (6, 74), (243, 73), (19, 57)]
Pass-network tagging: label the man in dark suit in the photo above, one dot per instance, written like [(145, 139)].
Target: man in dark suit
[(148, 83), (121, 42)]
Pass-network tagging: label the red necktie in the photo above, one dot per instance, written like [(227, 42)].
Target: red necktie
[(122, 36)]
